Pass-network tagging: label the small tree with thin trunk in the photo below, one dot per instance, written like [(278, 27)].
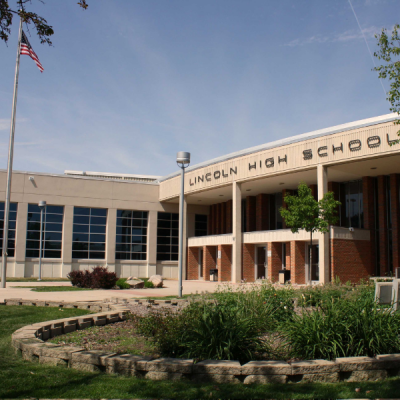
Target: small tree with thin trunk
[(304, 212)]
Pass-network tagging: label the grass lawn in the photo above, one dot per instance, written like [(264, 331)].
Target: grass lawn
[(52, 288), (23, 379)]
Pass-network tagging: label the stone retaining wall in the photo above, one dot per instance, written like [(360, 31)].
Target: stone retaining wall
[(30, 342)]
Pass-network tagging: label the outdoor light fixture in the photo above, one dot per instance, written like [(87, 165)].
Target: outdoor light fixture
[(42, 206), (183, 161)]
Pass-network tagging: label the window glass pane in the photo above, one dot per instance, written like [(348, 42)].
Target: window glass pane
[(97, 247), (163, 240), (139, 248), (97, 238), (32, 253), (167, 230), (80, 246), (139, 239), (32, 244), (175, 217), (139, 231), (98, 220), (124, 214), (53, 236), (81, 228), (13, 207), (81, 219), (139, 223), (97, 255), (12, 225), (175, 232), (164, 216), (123, 247), (97, 229), (80, 254), (164, 224), (122, 256), (80, 237), (51, 227), (123, 230), (124, 222), (52, 254), (139, 214), (99, 212), (55, 209), (81, 211)]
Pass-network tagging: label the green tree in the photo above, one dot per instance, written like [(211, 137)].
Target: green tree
[(389, 52), (7, 12), (304, 212)]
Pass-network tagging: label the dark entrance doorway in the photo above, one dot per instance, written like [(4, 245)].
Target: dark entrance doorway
[(261, 272), (315, 262)]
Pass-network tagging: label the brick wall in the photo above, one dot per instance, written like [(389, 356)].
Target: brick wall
[(351, 259), (209, 260), (250, 213), (394, 202), (248, 262), (225, 263), (288, 256), (298, 261), (383, 256), (274, 261), (262, 212), (192, 267)]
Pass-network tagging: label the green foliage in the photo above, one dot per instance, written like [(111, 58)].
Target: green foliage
[(389, 52), (304, 212), (149, 285), (121, 283), (345, 325), (227, 325), (43, 30)]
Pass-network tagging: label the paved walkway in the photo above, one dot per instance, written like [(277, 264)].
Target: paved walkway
[(170, 289)]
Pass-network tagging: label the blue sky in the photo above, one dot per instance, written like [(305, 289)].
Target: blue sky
[(129, 83)]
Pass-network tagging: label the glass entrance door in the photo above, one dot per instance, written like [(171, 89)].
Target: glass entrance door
[(261, 272), (201, 264), (315, 262)]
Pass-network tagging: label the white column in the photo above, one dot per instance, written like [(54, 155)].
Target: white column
[(68, 225), (185, 241), (151, 243), (236, 232), (322, 174), (20, 241), (111, 233)]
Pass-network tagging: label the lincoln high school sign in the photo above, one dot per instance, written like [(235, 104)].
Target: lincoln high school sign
[(372, 142)]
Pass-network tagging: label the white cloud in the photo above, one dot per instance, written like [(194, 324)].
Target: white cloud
[(4, 124), (346, 36)]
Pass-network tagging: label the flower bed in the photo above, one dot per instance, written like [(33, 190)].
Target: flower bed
[(30, 342)]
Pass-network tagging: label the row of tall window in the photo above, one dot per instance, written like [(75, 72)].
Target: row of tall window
[(89, 233)]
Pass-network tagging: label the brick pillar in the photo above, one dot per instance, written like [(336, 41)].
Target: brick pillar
[(225, 263), (250, 213), (394, 203), (369, 215), (298, 262), (228, 228), (262, 212), (209, 260), (274, 260), (383, 239), (288, 256), (223, 218), (193, 263), (248, 262)]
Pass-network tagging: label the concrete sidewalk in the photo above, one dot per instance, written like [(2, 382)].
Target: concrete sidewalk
[(170, 289)]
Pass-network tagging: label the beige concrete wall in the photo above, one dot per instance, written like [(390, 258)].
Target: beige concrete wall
[(295, 158)]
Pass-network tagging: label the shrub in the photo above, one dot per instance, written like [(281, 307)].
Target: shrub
[(343, 327), (121, 283), (99, 278), (148, 284)]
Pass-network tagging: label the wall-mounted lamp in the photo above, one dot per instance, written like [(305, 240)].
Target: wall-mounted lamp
[(32, 179)]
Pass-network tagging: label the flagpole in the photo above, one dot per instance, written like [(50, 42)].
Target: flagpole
[(10, 164)]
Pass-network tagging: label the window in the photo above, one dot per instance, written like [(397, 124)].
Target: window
[(200, 225), (131, 239), (52, 231), (89, 234), (167, 236), (12, 221), (351, 209)]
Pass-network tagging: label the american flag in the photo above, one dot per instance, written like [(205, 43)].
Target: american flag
[(26, 49)]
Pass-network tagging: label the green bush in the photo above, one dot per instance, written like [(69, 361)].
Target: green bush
[(348, 326), (148, 284), (204, 330), (121, 283)]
